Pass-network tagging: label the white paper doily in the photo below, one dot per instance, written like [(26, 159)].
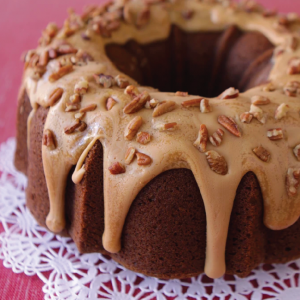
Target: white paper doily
[(67, 274)]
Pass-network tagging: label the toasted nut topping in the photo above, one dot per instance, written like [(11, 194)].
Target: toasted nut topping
[(192, 102), (270, 87), (292, 43), (204, 106), (110, 103), (44, 58), (79, 115), (187, 14), (129, 156), (66, 48), (75, 98), (294, 66), (143, 17), (70, 129), (133, 127), (163, 108), (55, 96), (70, 107), (90, 107), (49, 139), (297, 152), (86, 35), (81, 58), (246, 117), (262, 153), (230, 125), (60, 73), (217, 137), (181, 94), (292, 88), (292, 181), (116, 168), (151, 104), (137, 103), (51, 29), (122, 82), (275, 134), (106, 81), (81, 87), (143, 138), (257, 113), (165, 126), (132, 91), (260, 100), (143, 159), (216, 162), (201, 141), (52, 53), (82, 126), (270, 13), (281, 111), (230, 93)]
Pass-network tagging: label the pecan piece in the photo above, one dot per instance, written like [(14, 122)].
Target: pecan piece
[(143, 17), (257, 113), (281, 111), (292, 88), (204, 106), (129, 156), (192, 102), (143, 138), (70, 107), (75, 98), (262, 153), (292, 181), (246, 117), (133, 127), (181, 94), (71, 128), (143, 159), (217, 137), (230, 93), (122, 82), (297, 152), (132, 91), (79, 115), (151, 104), (260, 100), (49, 139), (116, 168), (89, 107), (275, 134), (106, 81), (65, 48), (229, 124), (187, 14), (44, 58), (163, 107), (110, 103), (165, 126), (216, 162), (55, 96), (137, 103), (294, 66), (81, 87), (82, 126), (201, 141), (270, 87), (60, 73)]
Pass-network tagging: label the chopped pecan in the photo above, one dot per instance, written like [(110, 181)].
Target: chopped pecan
[(89, 107), (132, 91), (165, 126), (204, 106), (129, 156), (71, 128), (216, 162), (270, 87), (52, 53), (270, 13), (133, 127), (262, 153), (81, 87), (86, 35), (217, 137), (281, 111), (143, 159), (70, 107), (152, 103), (258, 113), (122, 82), (82, 126), (181, 94), (260, 100), (116, 168), (292, 181), (143, 138), (66, 48), (163, 108), (49, 139), (137, 103), (81, 58), (106, 81), (79, 115), (246, 117), (294, 66), (44, 58), (60, 73), (55, 96), (192, 102), (75, 98), (292, 88), (275, 134), (292, 43), (51, 30), (230, 125), (230, 93), (297, 152), (110, 103), (201, 141)]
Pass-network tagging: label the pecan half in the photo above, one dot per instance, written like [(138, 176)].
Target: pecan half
[(133, 127), (165, 126), (262, 153), (55, 96), (89, 107), (216, 162), (49, 139), (204, 106), (281, 111), (122, 82), (44, 58), (82, 126), (116, 168), (246, 117), (297, 152), (60, 73), (143, 159), (129, 156), (137, 103), (81, 87), (132, 91), (192, 102), (217, 137), (292, 181), (110, 103), (229, 124), (163, 108), (260, 100), (143, 138), (275, 134), (230, 93), (201, 141), (71, 128)]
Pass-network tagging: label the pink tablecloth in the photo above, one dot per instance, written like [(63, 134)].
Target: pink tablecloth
[(21, 23)]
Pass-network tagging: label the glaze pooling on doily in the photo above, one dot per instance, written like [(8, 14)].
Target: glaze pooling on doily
[(28, 248)]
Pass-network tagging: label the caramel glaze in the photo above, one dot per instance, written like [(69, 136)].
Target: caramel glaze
[(174, 149)]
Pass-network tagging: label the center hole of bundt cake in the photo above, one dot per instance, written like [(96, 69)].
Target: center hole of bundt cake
[(201, 63)]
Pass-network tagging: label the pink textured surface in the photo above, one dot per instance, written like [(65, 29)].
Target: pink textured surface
[(21, 23)]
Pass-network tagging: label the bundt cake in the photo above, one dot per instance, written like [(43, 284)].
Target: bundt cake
[(123, 157)]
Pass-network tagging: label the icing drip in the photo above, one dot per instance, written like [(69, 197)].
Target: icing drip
[(174, 149)]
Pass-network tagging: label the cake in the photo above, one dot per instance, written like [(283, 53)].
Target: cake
[(165, 134)]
